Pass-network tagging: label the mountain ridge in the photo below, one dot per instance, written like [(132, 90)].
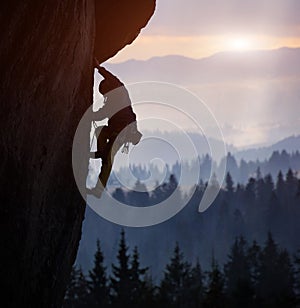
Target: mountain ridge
[(218, 67), (220, 53), (290, 144), (246, 91)]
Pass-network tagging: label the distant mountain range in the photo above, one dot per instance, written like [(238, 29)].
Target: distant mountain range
[(266, 64), (170, 156), (258, 90), (290, 144)]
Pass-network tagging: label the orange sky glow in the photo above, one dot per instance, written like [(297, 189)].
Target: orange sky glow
[(147, 46)]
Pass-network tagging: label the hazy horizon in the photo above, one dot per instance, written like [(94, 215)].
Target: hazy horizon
[(118, 60), (254, 95)]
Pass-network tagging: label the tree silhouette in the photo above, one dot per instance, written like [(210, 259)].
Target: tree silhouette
[(82, 291), (197, 288), (280, 187), (139, 289), (253, 254), (165, 190), (252, 277), (77, 295), (275, 279), (267, 286), (120, 279), (99, 293), (119, 195), (71, 297), (215, 294), (238, 275), (229, 183), (139, 195), (174, 287), (285, 276)]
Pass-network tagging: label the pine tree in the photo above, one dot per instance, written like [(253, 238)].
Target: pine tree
[(98, 281), (253, 256), (266, 288), (291, 182), (291, 185), (138, 196), (196, 289), (77, 290), (229, 184), (138, 292), (151, 292), (121, 277), (249, 199), (238, 275), (268, 188), (71, 292), (164, 191), (285, 276), (82, 291), (215, 295), (174, 286), (280, 187), (275, 280), (119, 195)]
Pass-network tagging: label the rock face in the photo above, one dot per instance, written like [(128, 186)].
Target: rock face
[(46, 66), (119, 23)]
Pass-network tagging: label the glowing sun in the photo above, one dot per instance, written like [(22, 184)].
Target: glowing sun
[(240, 44)]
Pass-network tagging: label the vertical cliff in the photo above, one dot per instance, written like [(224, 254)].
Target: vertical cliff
[(46, 67)]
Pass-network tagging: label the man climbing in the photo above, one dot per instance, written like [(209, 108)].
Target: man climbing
[(121, 129)]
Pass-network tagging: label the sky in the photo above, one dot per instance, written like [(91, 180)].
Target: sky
[(200, 28)]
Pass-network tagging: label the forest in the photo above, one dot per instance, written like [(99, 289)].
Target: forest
[(252, 276), (240, 170), (250, 235)]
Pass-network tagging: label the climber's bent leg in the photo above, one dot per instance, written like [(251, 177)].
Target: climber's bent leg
[(102, 143), (107, 162)]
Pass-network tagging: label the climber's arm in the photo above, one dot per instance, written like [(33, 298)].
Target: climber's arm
[(106, 74), (109, 76), (101, 114)]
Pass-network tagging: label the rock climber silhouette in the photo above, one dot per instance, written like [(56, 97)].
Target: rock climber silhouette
[(121, 129)]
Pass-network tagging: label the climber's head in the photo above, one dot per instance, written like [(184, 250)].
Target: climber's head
[(108, 85), (104, 87)]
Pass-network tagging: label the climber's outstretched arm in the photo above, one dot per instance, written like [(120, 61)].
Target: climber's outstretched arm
[(101, 114), (106, 74)]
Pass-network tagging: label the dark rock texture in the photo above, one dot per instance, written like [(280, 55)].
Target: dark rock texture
[(119, 23), (46, 69)]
